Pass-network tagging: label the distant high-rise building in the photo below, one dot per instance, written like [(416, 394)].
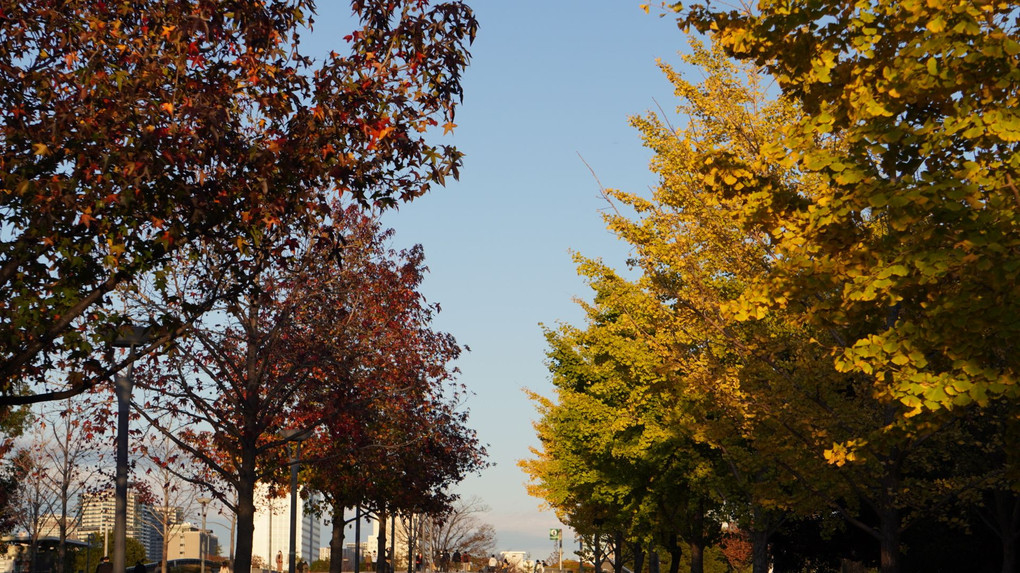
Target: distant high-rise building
[(49, 526), (97, 516), (186, 542), (272, 530)]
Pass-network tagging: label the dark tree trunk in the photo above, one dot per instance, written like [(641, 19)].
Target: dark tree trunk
[(336, 540), (357, 539), (697, 558), (380, 548), (653, 561), (675, 552), (639, 557), (697, 541), (889, 524), (760, 550), (245, 520)]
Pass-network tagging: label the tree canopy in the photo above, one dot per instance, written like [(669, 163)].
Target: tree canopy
[(133, 132)]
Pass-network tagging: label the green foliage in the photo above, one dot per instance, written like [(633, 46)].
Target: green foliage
[(91, 555)]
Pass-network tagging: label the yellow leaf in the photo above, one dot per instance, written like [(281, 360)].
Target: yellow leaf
[(448, 127), (40, 149)]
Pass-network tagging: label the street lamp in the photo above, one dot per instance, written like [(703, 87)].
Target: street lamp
[(296, 436), (129, 337), (204, 501)]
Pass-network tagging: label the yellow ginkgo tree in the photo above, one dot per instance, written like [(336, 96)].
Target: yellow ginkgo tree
[(916, 227), (755, 383)]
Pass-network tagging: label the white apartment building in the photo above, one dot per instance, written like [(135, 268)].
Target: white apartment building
[(272, 530), (97, 516)]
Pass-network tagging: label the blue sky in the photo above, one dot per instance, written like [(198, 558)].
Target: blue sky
[(550, 82)]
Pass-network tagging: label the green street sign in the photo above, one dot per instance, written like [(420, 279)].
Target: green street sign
[(554, 534)]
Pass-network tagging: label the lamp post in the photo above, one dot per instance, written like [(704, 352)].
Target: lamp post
[(127, 337), (296, 436), (201, 534)]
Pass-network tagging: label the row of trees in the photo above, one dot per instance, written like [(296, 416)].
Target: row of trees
[(816, 342), (186, 167)]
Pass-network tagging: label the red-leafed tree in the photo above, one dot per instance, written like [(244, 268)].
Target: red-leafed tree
[(396, 439), (317, 333), (135, 133)]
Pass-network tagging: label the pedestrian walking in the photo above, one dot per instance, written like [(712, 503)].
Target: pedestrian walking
[(492, 564), (104, 565)]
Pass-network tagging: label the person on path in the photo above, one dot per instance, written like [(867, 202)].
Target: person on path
[(456, 559), (104, 565), (492, 564), (139, 567)]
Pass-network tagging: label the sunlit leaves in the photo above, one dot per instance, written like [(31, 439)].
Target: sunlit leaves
[(915, 228), (132, 132)]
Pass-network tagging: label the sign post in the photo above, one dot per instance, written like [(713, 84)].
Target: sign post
[(556, 534)]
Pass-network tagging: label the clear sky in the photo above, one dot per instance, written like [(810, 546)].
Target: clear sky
[(550, 82)]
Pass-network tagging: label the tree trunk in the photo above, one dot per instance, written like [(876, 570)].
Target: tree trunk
[(357, 539), (675, 552), (62, 542), (164, 525), (697, 557), (760, 550), (336, 540), (697, 541), (380, 548), (245, 521), (889, 528), (639, 557), (653, 561)]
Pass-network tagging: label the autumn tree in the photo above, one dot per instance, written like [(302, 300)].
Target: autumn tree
[(794, 431), (70, 459), (134, 133), (34, 500), (912, 236), (314, 344), (399, 416), (916, 220)]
